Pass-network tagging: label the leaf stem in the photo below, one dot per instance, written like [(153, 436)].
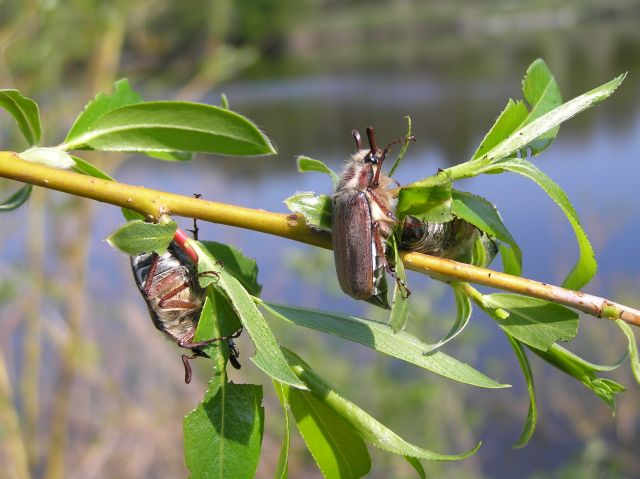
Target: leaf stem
[(154, 203)]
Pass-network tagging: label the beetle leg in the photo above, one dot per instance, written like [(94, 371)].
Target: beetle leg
[(375, 197), (186, 343), (148, 283), (187, 366), (195, 229), (234, 354), (380, 253)]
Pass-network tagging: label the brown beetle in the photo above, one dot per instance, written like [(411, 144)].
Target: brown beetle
[(363, 217)]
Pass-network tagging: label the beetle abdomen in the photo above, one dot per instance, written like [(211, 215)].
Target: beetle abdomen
[(353, 245)]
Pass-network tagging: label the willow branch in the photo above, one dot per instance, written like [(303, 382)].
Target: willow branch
[(152, 204)]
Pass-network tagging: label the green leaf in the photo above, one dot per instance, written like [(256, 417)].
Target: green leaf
[(52, 157), (170, 155), (535, 322), (268, 356), (543, 125), (17, 199), (283, 460), (136, 237), (463, 307), (224, 101), (334, 444), (584, 372), (223, 435), (367, 427), (484, 216), (102, 104), (315, 209), (543, 95), (428, 199), (217, 319), (235, 262), (173, 126), (586, 266), (400, 309), (381, 337), (532, 416), (85, 168), (417, 465), (633, 348), (310, 164), (25, 111), (403, 150)]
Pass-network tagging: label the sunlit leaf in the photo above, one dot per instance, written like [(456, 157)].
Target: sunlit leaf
[(367, 427), (310, 164), (532, 416), (52, 157), (268, 356), (136, 237), (584, 372), (586, 266), (173, 126), (102, 104), (463, 308), (336, 447), (25, 111), (282, 469), (632, 348), (400, 309), (235, 262), (223, 435), (316, 209), (381, 337), (417, 465), (17, 199), (483, 215), (535, 322), (428, 199)]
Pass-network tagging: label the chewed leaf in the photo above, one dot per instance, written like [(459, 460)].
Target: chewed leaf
[(316, 209), (381, 337), (463, 308), (535, 322), (366, 426), (17, 199), (169, 126), (484, 216), (310, 164), (25, 111), (136, 237)]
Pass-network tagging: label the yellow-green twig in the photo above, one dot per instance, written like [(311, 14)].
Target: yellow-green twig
[(153, 204)]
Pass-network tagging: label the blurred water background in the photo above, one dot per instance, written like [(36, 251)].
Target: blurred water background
[(98, 391)]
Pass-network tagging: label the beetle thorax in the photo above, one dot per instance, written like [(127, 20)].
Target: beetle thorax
[(357, 174)]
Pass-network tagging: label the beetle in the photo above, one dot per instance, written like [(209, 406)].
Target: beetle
[(169, 285), (363, 217)]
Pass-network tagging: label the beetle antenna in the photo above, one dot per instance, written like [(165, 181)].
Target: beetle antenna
[(372, 141), (404, 139), (356, 137)]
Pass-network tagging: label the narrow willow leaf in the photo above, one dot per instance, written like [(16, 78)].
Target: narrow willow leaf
[(535, 322), (235, 262), (268, 356), (136, 237), (532, 416), (372, 431), (85, 168), (542, 94), (463, 307), (25, 111), (511, 259), (223, 435), (336, 447), (400, 309), (310, 164), (102, 104), (633, 348), (550, 120), (484, 216), (403, 150), (586, 266), (173, 126), (170, 155), (17, 199), (216, 319), (428, 199), (52, 157), (584, 372), (282, 469), (381, 337), (315, 209), (417, 465)]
